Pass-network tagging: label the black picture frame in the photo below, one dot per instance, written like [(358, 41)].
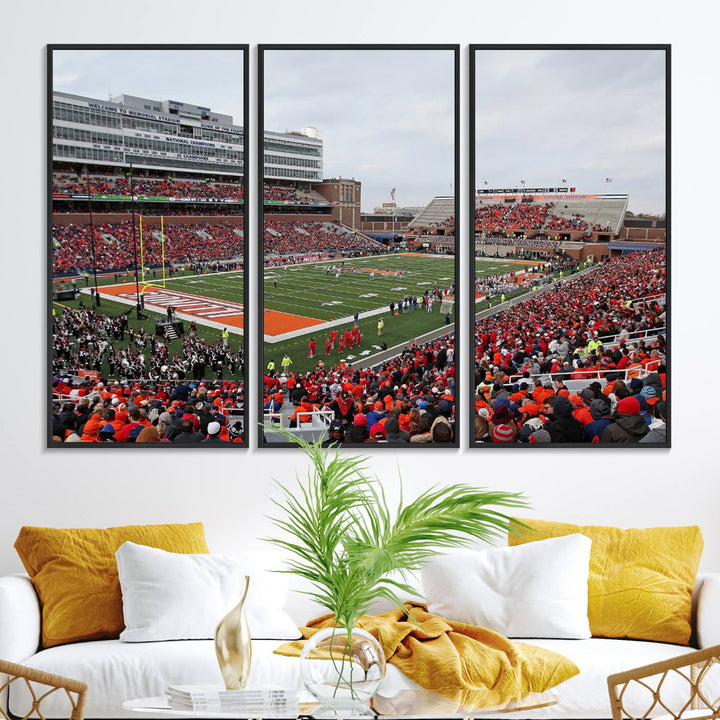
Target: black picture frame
[(458, 309), (244, 50), (470, 219)]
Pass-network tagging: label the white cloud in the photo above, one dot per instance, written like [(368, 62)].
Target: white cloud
[(386, 116), (581, 115)]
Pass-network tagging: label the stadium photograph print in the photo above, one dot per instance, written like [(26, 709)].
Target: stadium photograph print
[(358, 170), (569, 217), (146, 245)]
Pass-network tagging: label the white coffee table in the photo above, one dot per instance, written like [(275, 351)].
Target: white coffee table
[(406, 705)]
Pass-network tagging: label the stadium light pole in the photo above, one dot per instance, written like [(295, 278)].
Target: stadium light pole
[(134, 238), (92, 237)]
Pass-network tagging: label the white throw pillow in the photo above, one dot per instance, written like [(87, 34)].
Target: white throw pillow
[(176, 596), (536, 590)]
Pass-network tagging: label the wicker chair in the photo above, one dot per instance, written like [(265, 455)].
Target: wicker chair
[(698, 673), (41, 685)]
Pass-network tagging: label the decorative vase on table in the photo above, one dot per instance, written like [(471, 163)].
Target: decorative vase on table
[(342, 670), (233, 646), (354, 549)]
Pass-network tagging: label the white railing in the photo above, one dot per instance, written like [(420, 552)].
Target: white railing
[(577, 384), (649, 334), (316, 428)]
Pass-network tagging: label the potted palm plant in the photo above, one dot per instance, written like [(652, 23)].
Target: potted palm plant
[(343, 537)]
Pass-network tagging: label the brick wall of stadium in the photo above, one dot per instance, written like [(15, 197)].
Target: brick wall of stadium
[(648, 234)]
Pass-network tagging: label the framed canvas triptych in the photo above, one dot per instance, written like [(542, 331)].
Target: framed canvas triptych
[(358, 291)]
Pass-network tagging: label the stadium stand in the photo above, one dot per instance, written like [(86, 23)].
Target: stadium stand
[(440, 212), (73, 252), (597, 336), (402, 400), (83, 407), (112, 185), (300, 196), (576, 215), (292, 238)]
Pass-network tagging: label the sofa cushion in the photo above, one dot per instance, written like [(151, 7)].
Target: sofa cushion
[(534, 590), (183, 596), (117, 671), (75, 574), (19, 618), (641, 580)]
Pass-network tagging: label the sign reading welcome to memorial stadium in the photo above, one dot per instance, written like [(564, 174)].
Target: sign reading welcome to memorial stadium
[(128, 111)]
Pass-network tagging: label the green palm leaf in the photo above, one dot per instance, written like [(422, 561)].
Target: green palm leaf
[(343, 537)]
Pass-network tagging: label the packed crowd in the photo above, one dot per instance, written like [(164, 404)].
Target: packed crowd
[(285, 194), (582, 329), (528, 216), (167, 186), (305, 237), (540, 242), (148, 187), (555, 222), (195, 209), (122, 411), (114, 248), (132, 378), (408, 399), (614, 412), (88, 340)]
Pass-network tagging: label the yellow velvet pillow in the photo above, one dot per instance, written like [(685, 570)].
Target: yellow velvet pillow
[(75, 574), (641, 580)]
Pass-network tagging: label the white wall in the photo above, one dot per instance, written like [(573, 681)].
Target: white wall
[(228, 491)]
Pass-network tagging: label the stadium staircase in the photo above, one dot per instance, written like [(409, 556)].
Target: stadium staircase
[(170, 332), (435, 213), (608, 212), (349, 232)]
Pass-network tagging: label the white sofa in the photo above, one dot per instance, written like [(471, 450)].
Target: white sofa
[(116, 671)]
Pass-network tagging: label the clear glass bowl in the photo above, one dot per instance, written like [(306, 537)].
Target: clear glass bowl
[(342, 672)]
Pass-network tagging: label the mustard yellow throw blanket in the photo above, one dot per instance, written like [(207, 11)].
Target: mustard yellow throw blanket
[(469, 665)]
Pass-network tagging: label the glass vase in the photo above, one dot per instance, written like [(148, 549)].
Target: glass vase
[(233, 646), (342, 670)]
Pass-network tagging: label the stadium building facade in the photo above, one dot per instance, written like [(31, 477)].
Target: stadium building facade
[(293, 156), (173, 135), (147, 134)]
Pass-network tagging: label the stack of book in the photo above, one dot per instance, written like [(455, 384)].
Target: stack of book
[(258, 701)]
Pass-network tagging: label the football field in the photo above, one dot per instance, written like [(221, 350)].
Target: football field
[(308, 301), (331, 290)]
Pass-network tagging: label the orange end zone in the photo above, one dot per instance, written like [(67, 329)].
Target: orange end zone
[(279, 323), (202, 308)]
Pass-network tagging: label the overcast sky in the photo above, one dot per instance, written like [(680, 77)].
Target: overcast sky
[(386, 117), (210, 78), (582, 115)]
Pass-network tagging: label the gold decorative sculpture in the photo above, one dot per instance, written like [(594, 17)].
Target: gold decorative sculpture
[(233, 646)]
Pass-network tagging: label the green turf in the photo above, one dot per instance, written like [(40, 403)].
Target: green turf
[(398, 329), (307, 290), (122, 278)]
